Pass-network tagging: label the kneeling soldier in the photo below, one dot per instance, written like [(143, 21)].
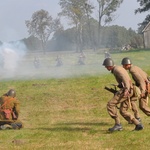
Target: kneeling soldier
[(9, 111)]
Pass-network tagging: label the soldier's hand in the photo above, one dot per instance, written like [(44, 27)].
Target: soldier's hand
[(142, 94), (126, 93)]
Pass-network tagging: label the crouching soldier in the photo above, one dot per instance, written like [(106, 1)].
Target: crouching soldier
[(9, 111)]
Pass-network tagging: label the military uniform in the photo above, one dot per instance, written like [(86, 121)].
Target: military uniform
[(81, 59), (124, 82), (9, 112), (141, 78), (59, 61), (36, 62), (122, 97)]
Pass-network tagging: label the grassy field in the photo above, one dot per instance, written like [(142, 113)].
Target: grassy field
[(68, 111)]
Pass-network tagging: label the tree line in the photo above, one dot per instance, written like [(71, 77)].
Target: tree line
[(85, 32)]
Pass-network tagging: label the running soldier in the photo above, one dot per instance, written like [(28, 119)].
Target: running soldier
[(141, 80), (122, 97)]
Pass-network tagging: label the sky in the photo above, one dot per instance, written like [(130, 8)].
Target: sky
[(13, 14)]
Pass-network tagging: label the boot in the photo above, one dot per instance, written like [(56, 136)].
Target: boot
[(5, 126), (16, 125), (116, 127), (138, 127)]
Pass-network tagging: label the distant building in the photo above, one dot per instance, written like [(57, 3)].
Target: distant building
[(146, 33)]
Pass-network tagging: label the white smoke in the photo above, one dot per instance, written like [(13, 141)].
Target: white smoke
[(10, 58), (18, 63), (11, 53)]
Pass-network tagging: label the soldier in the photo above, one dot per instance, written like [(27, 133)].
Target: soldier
[(121, 97), (36, 62), (9, 111), (141, 80), (59, 61), (107, 55), (81, 59)]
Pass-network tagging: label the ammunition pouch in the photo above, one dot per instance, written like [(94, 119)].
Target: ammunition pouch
[(136, 91)]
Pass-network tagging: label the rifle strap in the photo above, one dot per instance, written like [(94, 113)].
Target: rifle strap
[(129, 101), (147, 100)]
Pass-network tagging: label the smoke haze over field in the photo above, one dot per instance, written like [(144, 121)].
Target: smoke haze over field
[(17, 63)]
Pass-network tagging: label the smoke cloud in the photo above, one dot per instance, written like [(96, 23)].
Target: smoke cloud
[(18, 63), (10, 55)]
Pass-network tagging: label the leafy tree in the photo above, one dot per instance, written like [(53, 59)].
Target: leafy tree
[(32, 43), (77, 11), (107, 9), (62, 41), (144, 6), (113, 37), (42, 25), (106, 12), (143, 24)]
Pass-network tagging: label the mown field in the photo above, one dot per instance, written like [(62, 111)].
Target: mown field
[(65, 108)]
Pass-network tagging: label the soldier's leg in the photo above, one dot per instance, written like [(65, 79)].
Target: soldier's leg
[(17, 124), (135, 110), (112, 110), (128, 116), (143, 104), (134, 98), (123, 111), (11, 125)]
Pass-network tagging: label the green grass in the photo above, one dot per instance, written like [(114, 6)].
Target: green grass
[(70, 113)]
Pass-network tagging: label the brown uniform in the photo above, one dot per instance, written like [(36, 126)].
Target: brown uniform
[(141, 78), (9, 110), (124, 81)]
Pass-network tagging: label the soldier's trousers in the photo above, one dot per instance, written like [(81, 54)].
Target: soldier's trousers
[(14, 123), (143, 105), (135, 109), (124, 106)]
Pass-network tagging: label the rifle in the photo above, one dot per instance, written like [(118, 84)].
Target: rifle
[(110, 89)]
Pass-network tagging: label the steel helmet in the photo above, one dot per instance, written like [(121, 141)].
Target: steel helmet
[(11, 93), (126, 61), (108, 62)]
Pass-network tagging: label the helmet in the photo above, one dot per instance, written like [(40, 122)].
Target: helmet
[(126, 61), (11, 93), (108, 62)]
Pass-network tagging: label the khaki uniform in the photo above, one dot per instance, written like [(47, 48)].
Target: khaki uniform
[(140, 77), (124, 82), (9, 110)]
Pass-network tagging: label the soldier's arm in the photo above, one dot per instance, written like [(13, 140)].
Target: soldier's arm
[(16, 108), (139, 79)]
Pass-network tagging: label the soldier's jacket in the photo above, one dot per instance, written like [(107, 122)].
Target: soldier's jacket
[(122, 77), (139, 76), (8, 103)]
